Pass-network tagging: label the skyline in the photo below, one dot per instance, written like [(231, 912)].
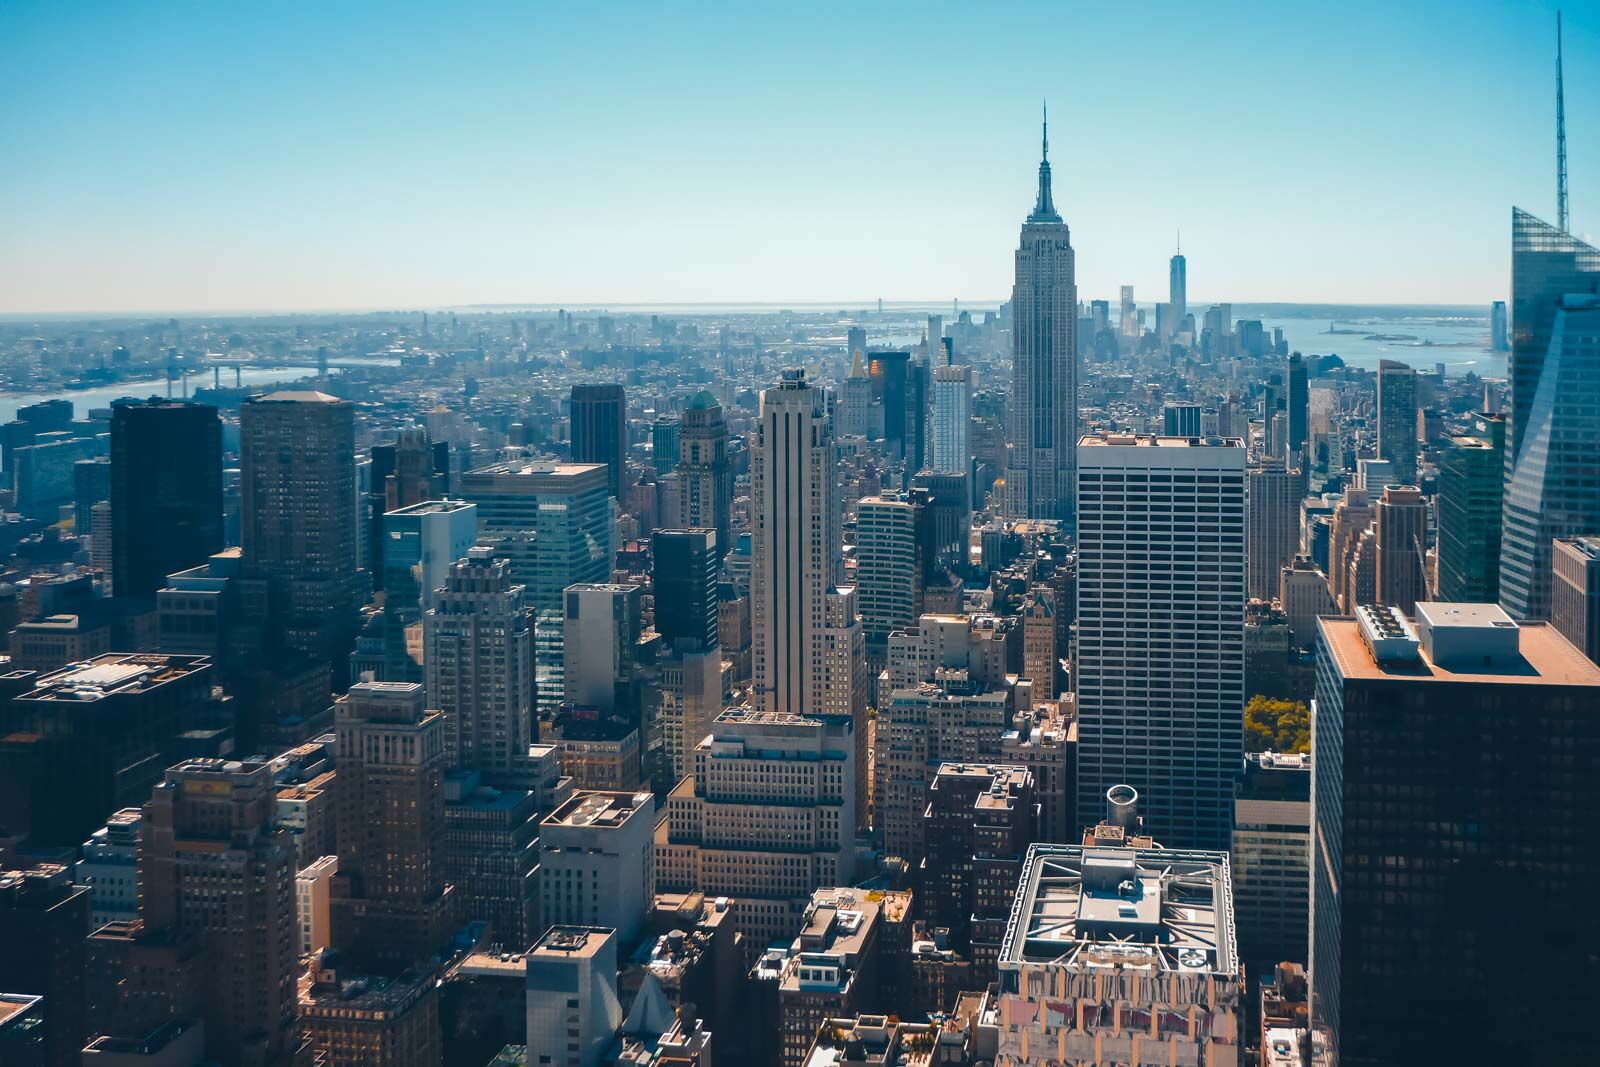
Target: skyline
[(308, 176)]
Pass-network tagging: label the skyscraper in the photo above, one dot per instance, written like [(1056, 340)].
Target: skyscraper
[(1044, 386), (887, 577), (1575, 593), (952, 419), (299, 518), (1499, 332), (600, 431), (1397, 419), (1273, 537), (1178, 288), (1453, 807), (1471, 473), (704, 471), (1553, 437), (1180, 419), (684, 587), (391, 906), (479, 660), (1161, 598), (1299, 410), (215, 866), (795, 543), (602, 627), (166, 492), (420, 544), (664, 443)]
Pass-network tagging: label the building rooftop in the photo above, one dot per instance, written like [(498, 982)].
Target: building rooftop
[(1586, 545), (600, 810), (1544, 657), (530, 467), (566, 942), (295, 396), (14, 1004), (1153, 908), (433, 507), (114, 674), (1140, 440), (838, 927)]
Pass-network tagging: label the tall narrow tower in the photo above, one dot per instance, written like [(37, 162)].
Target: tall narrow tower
[(1561, 137), (1041, 464)]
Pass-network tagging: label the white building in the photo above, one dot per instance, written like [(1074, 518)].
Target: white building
[(1161, 600), (573, 1008), (952, 419), (108, 869), (597, 862)]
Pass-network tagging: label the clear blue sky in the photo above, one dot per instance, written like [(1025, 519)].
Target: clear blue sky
[(181, 155)]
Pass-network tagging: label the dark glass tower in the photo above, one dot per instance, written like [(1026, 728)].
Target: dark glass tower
[(166, 492), (1553, 438), (684, 586), (600, 430)]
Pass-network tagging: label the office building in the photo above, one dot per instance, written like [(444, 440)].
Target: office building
[(491, 856), (704, 470), (944, 530), (918, 728), (888, 577), (599, 750), (1178, 287), (952, 419), (683, 587), (855, 405), (1299, 410), (391, 905), (1397, 419), (214, 866), (1469, 503), (1271, 856), (298, 480), (832, 968), (767, 815), (1575, 593), (984, 646), (980, 820), (1553, 436), (1180, 419), (1121, 955), (1043, 408), (1453, 809), (1304, 594), (108, 866), (602, 626), (109, 726), (795, 543), (1401, 538), (313, 887), (421, 544), (1044, 739), (556, 523), (166, 492), (1040, 658), (1273, 493), (600, 431), (44, 918), (479, 662), (1352, 517), (1161, 597), (597, 862), (664, 434), (353, 1019), (573, 1008), (410, 471)]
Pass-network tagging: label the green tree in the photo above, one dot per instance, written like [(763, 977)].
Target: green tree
[(1279, 725)]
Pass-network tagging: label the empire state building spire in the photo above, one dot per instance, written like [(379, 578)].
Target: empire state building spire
[(1043, 209)]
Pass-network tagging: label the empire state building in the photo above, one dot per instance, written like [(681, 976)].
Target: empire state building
[(1041, 465)]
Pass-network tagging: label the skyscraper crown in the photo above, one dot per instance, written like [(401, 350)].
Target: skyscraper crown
[(1043, 209)]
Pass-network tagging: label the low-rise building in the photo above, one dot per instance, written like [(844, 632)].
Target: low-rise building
[(597, 862)]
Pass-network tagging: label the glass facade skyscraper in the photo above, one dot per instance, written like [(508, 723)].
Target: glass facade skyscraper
[(1553, 440)]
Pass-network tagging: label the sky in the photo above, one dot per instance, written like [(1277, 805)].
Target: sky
[(295, 155)]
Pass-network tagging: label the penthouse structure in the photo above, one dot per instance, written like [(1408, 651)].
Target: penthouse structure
[(1121, 955), (767, 815), (1452, 803)]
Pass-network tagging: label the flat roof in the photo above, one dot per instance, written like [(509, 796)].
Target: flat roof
[(566, 941), (605, 810), (1547, 658), (1083, 907), (1144, 440)]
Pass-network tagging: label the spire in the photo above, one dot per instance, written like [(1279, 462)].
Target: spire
[(1043, 209), (1561, 138)]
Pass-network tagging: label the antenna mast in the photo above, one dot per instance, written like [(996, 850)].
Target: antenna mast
[(1561, 138)]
